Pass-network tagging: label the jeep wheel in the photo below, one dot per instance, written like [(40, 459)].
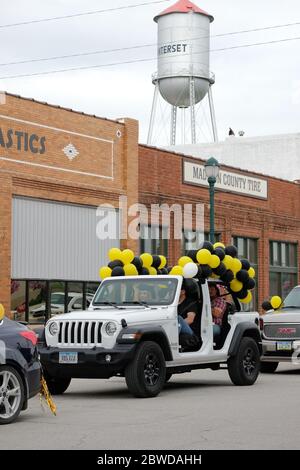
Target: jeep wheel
[(244, 368), (268, 367), (56, 386), (12, 394), (145, 375)]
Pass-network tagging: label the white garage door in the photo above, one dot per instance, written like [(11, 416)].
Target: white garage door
[(57, 241)]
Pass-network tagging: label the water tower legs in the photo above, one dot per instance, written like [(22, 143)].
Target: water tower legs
[(192, 105), (173, 125), (153, 114), (212, 115)]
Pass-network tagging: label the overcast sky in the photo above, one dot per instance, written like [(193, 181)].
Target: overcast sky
[(257, 89)]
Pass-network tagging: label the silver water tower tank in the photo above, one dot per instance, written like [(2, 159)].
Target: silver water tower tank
[(183, 53)]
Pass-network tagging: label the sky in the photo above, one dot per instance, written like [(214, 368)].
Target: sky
[(257, 89)]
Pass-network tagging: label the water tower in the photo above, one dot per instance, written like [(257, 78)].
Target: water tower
[(183, 78)]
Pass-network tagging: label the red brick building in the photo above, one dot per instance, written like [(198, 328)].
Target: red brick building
[(57, 166)]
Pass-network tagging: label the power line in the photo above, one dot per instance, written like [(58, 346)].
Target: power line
[(76, 15), (105, 51), (72, 69)]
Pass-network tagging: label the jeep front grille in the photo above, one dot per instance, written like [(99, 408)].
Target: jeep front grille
[(282, 331), (79, 333)]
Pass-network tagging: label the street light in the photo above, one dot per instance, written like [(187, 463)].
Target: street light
[(212, 169)]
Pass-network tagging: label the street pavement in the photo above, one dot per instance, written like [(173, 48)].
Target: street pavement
[(201, 410)]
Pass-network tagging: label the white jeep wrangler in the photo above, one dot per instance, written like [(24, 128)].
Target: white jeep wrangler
[(131, 330)]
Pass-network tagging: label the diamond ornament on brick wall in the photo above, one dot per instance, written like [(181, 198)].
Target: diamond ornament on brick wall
[(70, 151)]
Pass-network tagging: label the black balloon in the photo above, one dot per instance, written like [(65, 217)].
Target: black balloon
[(250, 284), (266, 305), (156, 261), (145, 272), (207, 246), (137, 263), (220, 253), (227, 277), (242, 276), (115, 264), (231, 251), (164, 271), (118, 271), (242, 294), (245, 264), (206, 271), (220, 270), (193, 255)]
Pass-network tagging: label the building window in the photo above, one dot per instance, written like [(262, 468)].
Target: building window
[(18, 300), (191, 240), (283, 268), (247, 248), (154, 239)]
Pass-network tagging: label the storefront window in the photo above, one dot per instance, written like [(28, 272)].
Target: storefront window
[(91, 288), (283, 268), (18, 300), (247, 248), (37, 298), (57, 297), (75, 296)]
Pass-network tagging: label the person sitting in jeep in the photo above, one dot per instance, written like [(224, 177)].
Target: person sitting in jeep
[(218, 308), (187, 312)]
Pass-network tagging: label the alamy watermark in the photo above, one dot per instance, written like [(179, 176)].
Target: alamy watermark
[(129, 222), (296, 357)]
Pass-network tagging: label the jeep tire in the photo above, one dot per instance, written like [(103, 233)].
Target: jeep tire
[(56, 386), (243, 368), (146, 374), (268, 367)]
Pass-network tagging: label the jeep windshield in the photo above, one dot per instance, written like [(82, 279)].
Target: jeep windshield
[(293, 299), (142, 291)]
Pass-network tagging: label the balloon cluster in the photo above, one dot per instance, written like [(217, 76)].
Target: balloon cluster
[(220, 262), (273, 304), (216, 261), (124, 263)]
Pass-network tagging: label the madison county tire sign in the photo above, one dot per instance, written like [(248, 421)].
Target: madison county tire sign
[(241, 183)]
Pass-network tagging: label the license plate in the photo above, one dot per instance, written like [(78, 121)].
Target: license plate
[(284, 346), (68, 357)]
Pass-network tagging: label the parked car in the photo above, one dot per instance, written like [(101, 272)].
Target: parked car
[(19, 369), (280, 331), (123, 335), (58, 304)]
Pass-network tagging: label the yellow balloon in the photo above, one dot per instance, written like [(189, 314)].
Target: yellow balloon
[(236, 285), (228, 261), (147, 260), (152, 271), (2, 312), (276, 302), (251, 272), (204, 256), (214, 261), (130, 270), (163, 262), (247, 299), (127, 256), (114, 254), (105, 272), (219, 245), (177, 271), (184, 260), (236, 265)]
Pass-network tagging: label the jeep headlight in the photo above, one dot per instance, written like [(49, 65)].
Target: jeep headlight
[(53, 328), (110, 328)]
